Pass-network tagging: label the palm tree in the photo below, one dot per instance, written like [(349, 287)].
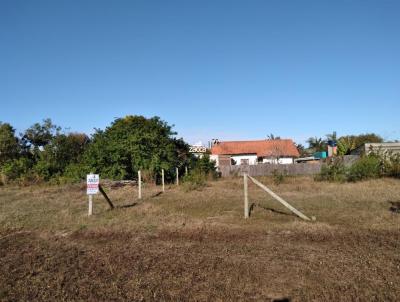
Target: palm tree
[(272, 137), (332, 136), (316, 144)]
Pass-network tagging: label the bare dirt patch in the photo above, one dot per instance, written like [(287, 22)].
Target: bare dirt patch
[(166, 248)]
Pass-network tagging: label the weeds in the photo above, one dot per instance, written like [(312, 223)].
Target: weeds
[(279, 177), (335, 170), (195, 180), (372, 166)]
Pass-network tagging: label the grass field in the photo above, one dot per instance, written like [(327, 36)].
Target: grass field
[(196, 246)]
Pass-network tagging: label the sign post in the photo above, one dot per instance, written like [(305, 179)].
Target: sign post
[(246, 197), (140, 184), (162, 180), (92, 188)]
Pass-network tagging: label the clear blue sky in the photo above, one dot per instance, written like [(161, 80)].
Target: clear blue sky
[(216, 69)]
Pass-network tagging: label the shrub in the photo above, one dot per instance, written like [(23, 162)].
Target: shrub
[(365, 168), (196, 180), (279, 177), (335, 170), (205, 166), (76, 172), (391, 165), (15, 169)]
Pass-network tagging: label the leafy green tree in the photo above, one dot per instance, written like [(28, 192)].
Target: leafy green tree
[(348, 143), (60, 152), (135, 142), (9, 143), (368, 138), (39, 135)]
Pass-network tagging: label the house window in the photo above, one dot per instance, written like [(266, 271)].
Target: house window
[(244, 161)]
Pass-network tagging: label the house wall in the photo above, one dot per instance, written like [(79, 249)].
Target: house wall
[(270, 169), (281, 161), (382, 147), (215, 158), (250, 157)]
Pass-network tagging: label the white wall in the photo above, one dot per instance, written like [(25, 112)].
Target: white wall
[(252, 159), (215, 158), (282, 161)]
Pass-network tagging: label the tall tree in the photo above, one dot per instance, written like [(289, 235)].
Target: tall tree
[(39, 135), (302, 150), (271, 136), (61, 151), (332, 136), (316, 144), (348, 143), (135, 142), (9, 143)]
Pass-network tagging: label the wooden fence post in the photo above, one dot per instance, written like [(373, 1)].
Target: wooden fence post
[(162, 180), (140, 184), (186, 170), (90, 212), (177, 176), (281, 200), (246, 198), (106, 197)]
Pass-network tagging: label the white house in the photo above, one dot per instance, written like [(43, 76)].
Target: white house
[(279, 151)]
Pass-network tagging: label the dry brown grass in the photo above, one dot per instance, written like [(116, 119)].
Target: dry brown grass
[(196, 245)]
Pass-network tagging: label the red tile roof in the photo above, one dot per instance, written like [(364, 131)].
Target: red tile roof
[(263, 148)]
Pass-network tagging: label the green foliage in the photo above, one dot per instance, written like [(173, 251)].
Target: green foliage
[(346, 144), (9, 145), (204, 165), (195, 180), (392, 166), (134, 143), (62, 151), (316, 144), (302, 150), (335, 170), (15, 169), (374, 165), (389, 163), (365, 168), (75, 172), (39, 135), (201, 170), (279, 177)]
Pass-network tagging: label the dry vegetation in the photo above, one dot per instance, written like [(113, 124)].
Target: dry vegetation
[(196, 246)]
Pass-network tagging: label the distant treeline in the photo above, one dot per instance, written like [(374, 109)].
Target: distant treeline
[(44, 152)]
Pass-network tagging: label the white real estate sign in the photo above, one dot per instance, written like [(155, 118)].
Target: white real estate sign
[(92, 182)]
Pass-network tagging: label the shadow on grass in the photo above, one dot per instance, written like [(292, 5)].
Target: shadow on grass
[(136, 203), (127, 205), (395, 206), (156, 194), (253, 205)]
